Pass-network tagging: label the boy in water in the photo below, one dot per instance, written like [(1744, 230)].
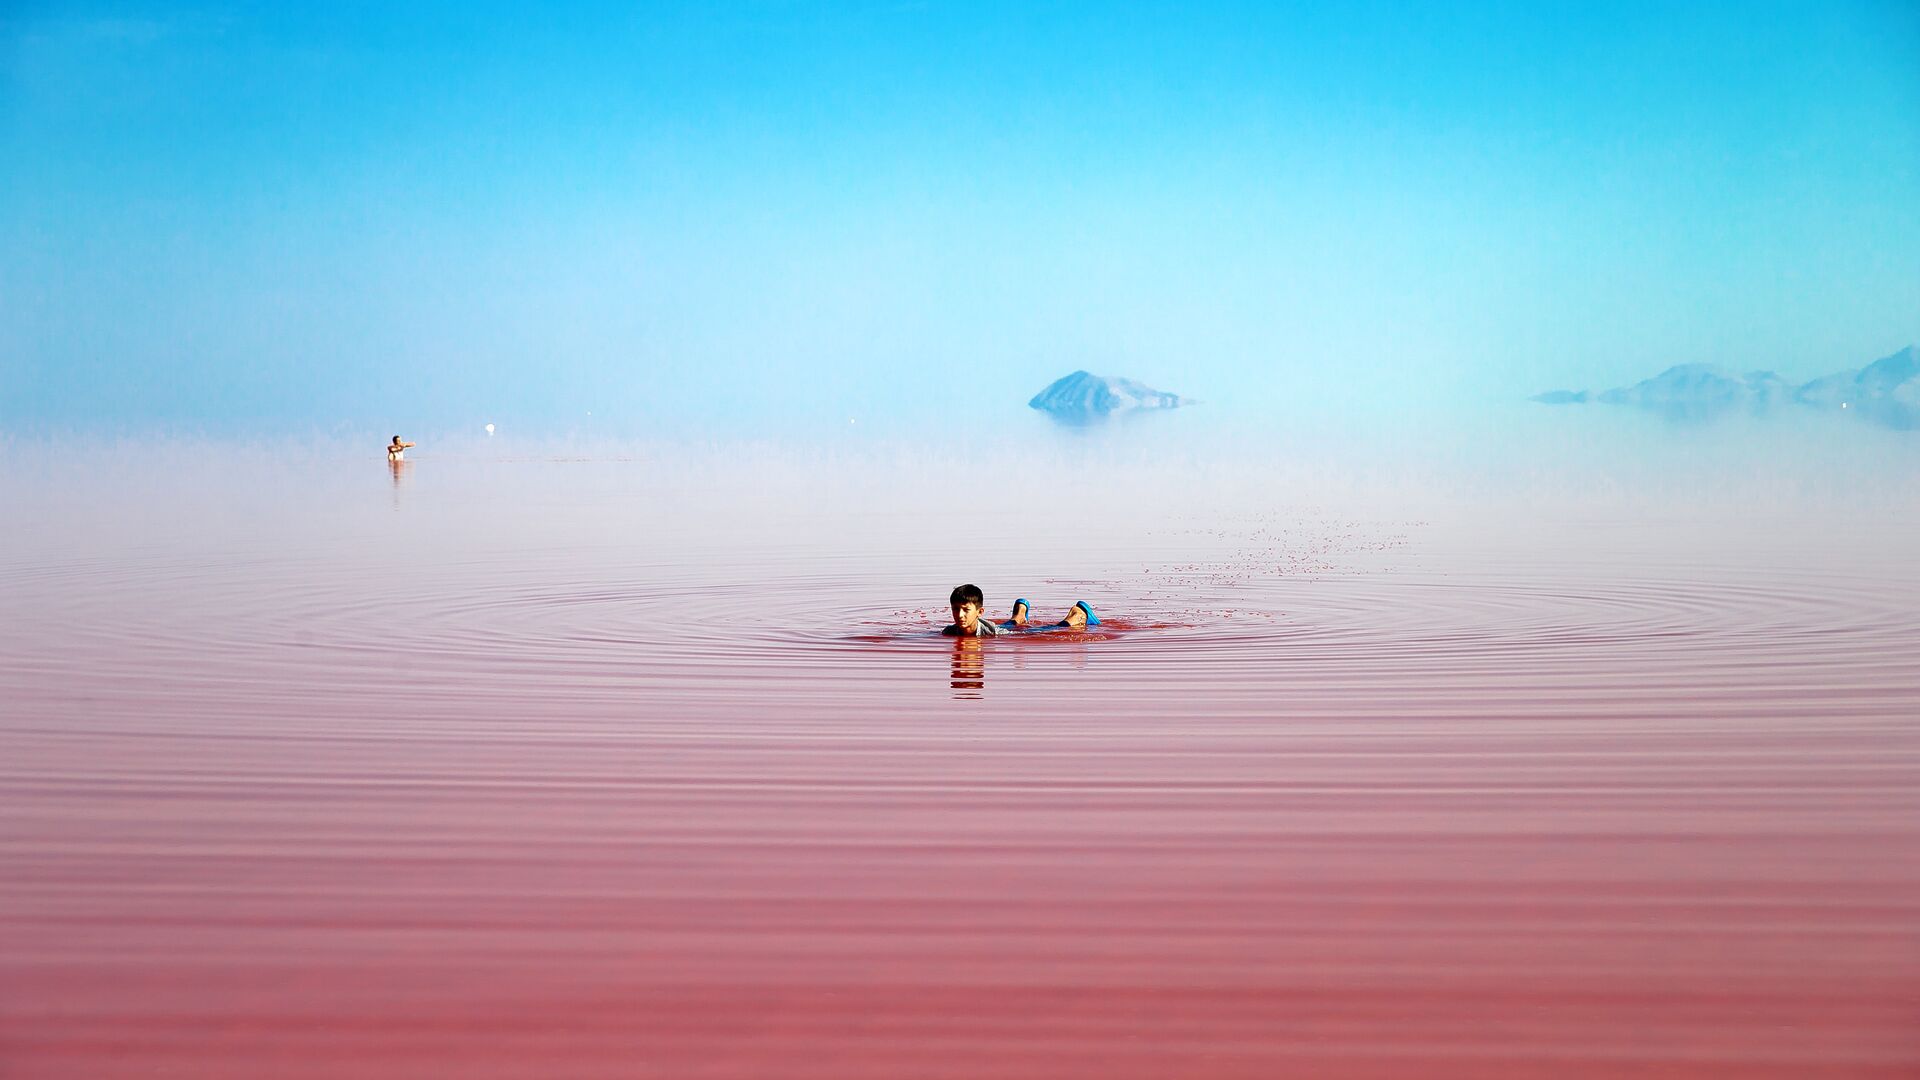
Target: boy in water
[(397, 450), (967, 602)]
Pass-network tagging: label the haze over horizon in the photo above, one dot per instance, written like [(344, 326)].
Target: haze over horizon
[(235, 220)]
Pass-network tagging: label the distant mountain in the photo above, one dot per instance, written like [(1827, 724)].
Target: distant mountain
[(1083, 396), (1886, 391), (1699, 391)]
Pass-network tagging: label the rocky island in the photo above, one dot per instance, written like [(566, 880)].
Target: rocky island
[(1083, 396)]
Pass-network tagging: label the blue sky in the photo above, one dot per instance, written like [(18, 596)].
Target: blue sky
[(779, 215)]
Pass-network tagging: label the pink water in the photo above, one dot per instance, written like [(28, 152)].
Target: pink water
[(508, 767)]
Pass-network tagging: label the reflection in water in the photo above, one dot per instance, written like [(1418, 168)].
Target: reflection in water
[(398, 467), (969, 669), (1062, 651)]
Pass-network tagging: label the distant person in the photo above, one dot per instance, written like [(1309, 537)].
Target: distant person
[(397, 450), (967, 602)]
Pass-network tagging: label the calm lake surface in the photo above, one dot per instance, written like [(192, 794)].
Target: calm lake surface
[(645, 762)]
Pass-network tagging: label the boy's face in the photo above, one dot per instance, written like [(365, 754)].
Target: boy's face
[(966, 616)]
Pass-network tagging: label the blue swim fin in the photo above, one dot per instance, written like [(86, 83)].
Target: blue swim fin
[(1010, 624)]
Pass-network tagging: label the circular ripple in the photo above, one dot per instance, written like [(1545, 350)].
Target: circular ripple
[(277, 634)]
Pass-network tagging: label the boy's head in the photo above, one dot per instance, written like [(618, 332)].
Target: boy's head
[(967, 602)]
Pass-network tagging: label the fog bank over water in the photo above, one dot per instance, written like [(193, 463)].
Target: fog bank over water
[(1181, 462), (1102, 500)]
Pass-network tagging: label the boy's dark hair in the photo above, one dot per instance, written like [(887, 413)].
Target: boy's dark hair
[(967, 594)]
